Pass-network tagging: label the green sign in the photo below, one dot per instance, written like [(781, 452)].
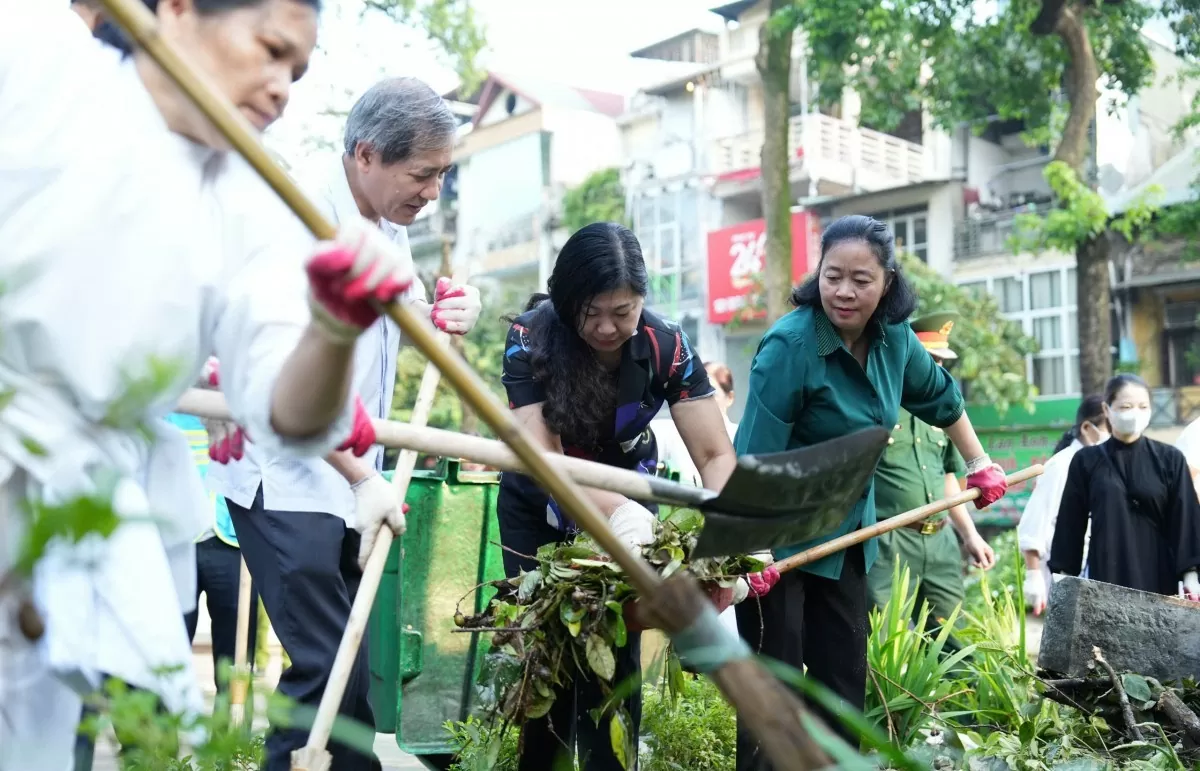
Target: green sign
[(1019, 439)]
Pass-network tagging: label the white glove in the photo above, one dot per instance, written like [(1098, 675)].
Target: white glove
[(456, 307), (1035, 590), (345, 275), (633, 524), (375, 505), (1191, 586)]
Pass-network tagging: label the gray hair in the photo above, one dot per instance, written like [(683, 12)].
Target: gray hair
[(399, 117)]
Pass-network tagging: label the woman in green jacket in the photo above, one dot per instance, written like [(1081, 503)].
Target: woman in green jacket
[(844, 360)]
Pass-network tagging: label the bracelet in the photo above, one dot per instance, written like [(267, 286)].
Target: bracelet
[(978, 464)]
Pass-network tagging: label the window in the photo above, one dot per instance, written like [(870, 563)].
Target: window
[(910, 226), (1181, 341), (1043, 303), (667, 226)]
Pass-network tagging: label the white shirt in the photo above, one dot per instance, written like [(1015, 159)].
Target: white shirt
[(1035, 531), (672, 450), (1189, 443), (311, 484), (128, 255)]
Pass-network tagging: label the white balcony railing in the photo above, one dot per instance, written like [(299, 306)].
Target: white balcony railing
[(830, 150)]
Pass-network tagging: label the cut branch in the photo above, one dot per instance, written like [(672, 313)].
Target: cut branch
[(1122, 697)]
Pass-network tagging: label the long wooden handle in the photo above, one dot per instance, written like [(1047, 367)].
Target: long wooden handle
[(892, 523), (435, 441), (140, 23), (239, 687), (368, 587)]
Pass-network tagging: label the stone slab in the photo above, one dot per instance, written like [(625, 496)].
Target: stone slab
[(1151, 634)]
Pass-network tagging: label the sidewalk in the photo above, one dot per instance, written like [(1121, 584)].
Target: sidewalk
[(385, 744)]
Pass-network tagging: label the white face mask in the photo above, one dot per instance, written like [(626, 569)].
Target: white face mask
[(1101, 437), (1130, 422)]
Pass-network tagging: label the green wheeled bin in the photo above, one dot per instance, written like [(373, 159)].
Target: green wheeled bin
[(423, 672)]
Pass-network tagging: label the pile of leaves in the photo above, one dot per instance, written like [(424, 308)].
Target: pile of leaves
[(568, 616)]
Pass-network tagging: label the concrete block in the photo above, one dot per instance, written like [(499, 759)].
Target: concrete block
[(1150, 634)]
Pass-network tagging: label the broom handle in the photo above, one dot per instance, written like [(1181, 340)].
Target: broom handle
[(774, 714), (451, 444), (240, 685), (368, 587), (892, 523)]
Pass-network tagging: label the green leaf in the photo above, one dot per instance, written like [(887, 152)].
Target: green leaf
[(1137, 687), (600, 657), (618, 734), (529, 584), (620, 633)]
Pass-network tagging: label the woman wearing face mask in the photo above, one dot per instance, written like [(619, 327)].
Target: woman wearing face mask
[(136, 246), (843, 361), (586, 368), (1036, 529), (1138, 497)]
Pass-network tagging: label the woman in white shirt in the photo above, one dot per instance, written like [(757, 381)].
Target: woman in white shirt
[(670, 445), (1035, 532), (135, 246)]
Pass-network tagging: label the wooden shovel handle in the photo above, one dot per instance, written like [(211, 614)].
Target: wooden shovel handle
[(891, 523), (241, 672)]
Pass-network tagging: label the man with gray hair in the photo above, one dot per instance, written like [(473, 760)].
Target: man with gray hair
[(295, 520)]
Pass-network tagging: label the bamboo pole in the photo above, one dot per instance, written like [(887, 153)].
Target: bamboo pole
[(892, 523), (773, 713), (239, 686)]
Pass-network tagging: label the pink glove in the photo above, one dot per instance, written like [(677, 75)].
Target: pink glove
[(226, 441), (362, 436), (991, 484), (456, 307), (761, 583), (347, 275)]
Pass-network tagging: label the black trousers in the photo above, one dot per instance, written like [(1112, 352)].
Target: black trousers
[(551, 740), (218, 576), (821, 623), (305, 564)]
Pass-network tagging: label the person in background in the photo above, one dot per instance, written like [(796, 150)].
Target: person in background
[(1188, 443), (90, 11), (844, 360), (671, 449), (585, 369), (1138, 497), (919, 467), (1035, 531)]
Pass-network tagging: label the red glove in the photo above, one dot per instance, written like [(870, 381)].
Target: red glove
[(362, 436), (456, 307), (348, 275), (226, 441), (990, 482), (761, 583)]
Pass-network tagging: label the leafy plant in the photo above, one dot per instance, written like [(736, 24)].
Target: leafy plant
[(568, 615), (695, 731), (599, 198)]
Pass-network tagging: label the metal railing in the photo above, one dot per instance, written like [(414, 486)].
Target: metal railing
[(820, 139), (984, 236)]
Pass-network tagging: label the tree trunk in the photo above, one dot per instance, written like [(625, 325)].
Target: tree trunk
[(774, 63), (1095, 322), (1091, 257)]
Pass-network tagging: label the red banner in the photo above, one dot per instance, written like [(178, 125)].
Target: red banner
[(737, 257)]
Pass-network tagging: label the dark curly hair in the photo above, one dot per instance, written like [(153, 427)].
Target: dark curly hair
[(899, 299), (580, 393)]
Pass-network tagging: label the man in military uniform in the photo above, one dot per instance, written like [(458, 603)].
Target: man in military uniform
[(919, 466)]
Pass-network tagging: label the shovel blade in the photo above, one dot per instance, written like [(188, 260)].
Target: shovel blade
[(785, 498)]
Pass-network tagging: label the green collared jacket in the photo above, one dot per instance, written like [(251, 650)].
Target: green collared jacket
[(806, 387)]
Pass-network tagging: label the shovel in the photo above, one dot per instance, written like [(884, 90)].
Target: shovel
[(773, 713), (770, 500)]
